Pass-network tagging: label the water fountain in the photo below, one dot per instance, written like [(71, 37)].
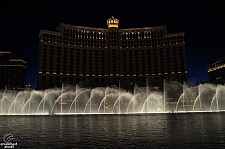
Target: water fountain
[(175, 97)]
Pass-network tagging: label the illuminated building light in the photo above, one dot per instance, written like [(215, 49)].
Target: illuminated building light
[(67, 74), (172, 73), (165, 73), (39, 72), (16, 60), (14, 65), (153, 74), (179, 72), (47, 72), (54, 72), (61, 73), (216, 67), (112, 22), (159, 73)]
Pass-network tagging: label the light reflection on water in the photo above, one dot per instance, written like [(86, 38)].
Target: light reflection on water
[(189, 130)]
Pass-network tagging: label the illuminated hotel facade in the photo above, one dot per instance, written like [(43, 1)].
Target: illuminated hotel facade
[(216, 71), (107, 56), (12, 71)]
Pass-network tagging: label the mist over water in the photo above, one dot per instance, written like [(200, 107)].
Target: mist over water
[(174, 98)]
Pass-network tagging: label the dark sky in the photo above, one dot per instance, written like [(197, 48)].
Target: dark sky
[(202, 21)]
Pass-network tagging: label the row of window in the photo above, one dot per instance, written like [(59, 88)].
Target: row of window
[(93, 33), (91, 38), (115, 42), (49, 81)]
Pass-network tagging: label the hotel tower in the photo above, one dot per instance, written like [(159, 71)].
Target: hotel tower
[(93, 57), (12, 71)]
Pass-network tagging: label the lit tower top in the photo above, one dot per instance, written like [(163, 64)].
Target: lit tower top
[(112, 22)]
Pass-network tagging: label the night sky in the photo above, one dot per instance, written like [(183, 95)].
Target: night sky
[(202, 21)]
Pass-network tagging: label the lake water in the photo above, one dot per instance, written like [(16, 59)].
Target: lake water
[(183, 130)]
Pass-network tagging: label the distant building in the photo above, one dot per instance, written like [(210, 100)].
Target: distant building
[(216, 71), (106, 56), (12, 71)]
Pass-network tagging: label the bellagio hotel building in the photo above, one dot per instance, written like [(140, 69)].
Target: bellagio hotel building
[(106, 56)]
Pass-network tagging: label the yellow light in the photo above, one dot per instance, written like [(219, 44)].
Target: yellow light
[(112, 22)]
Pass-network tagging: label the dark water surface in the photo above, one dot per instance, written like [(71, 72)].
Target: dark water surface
[(190, 130)]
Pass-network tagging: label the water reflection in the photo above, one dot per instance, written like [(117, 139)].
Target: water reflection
[(198, 130)]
